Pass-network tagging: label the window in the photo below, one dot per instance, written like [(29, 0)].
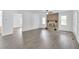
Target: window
[(44, 21), (63, 20)]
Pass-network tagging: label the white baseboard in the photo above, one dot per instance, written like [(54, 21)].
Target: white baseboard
[(77, 37), (4, 34), (30, 29)]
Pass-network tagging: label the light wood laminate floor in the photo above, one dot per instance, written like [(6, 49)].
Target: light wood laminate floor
[(39, 39)]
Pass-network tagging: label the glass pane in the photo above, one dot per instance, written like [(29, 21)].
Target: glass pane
[(44, 20), (63, 20)]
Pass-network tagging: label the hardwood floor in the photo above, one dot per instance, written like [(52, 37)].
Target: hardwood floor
[(39, 39)]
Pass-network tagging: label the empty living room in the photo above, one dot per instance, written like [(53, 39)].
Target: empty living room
[(39, 29)]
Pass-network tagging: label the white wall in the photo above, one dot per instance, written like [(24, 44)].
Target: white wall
[(31, 20), (76, 24), (0, 21), (0, 18), (36, 21), (69, 26)]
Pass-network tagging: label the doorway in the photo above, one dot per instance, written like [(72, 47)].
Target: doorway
[(17, 22), (52, 21)]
